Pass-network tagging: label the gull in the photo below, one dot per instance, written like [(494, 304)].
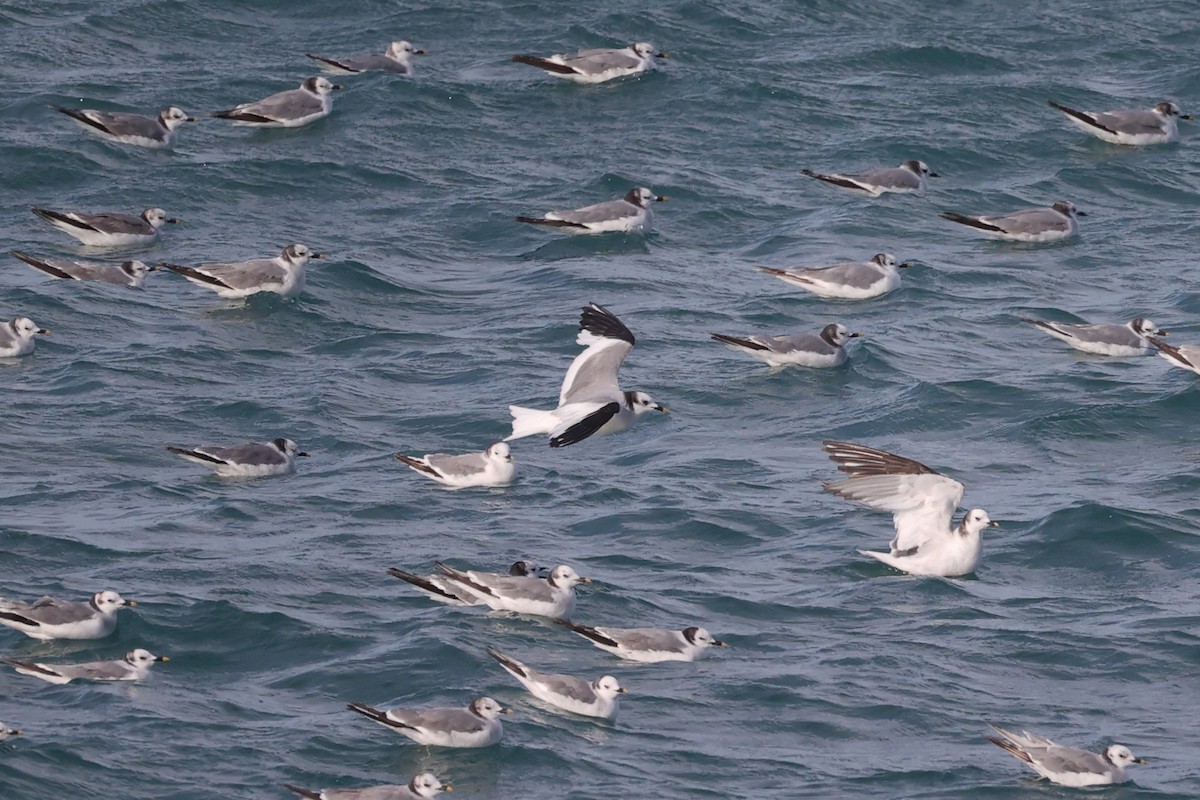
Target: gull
[(591, 401), (289, 109), (254, 460), (49, 618), (135, 666), (1106, 339), (648, 645), (908, 177), (284, 274), (1185, 356), (1134, 126), (492, 467), (1059, 221), (424, 785), (16, 337), (852, 280), (552, 597), (398, 59), (630, 214), (1067, 766), (7, 732), (824, 349), (596, 65), (127, 273), (155, 132), (922, 503), (477, 725), (598, 698), (108, 229), (438, 588)]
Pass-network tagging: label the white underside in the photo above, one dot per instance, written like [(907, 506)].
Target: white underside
[(496, 473), (1136, 139), (840, 291), (797, 358), (22, 347), (1099, 348), (951, 555)]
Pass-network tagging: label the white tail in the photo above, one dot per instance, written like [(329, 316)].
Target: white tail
[(530, 421)]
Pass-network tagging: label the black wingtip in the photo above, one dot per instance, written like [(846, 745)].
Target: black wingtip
[(599, 321), (586, 426)]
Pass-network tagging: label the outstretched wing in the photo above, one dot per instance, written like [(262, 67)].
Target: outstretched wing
[(921, 500), (592, 376)]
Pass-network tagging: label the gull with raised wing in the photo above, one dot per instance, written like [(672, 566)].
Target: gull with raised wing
[(630, 214), (553, 596), (284, 274), (254, 460), (851, 280), (908, 177), (591, 400), (824, 349), (477, 725), (598, 698), (127, 273), (596, 65), (421, 786), (289, 109), (1185, 356), (443, 590), (154, 132), (50, 618), (648, 645), (397, 59), (108, 228), (1105, 339), (492, 467), (16, 337), (922, 502), (1067, 766), (135, 666), (1051, 224), (1135, 126)]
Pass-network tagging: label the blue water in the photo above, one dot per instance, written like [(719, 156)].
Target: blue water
[(435, 310)]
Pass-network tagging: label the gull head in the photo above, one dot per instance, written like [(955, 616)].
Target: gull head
[(319, 86), (607, 687), (26, 328), (173, 117), (640, 403), (919, 168), (700, 638), (974, 521), (641, 196), (488, 708), (138, 270), (143, 658), (1168, 109), (499, 452), (564, 577), (109, 602), (298, 255), (288, 448), (1120, 756), (1144, 327), (401, 50), (156, 218), (427, 785), (1068, 209), (888, 261), (837, 334), (523, 568), (645, 50)]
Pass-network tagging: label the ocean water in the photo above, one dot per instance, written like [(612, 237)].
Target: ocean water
[(435, 310)]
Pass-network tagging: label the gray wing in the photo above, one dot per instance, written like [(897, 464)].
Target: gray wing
[(246, 274), (858, 275), (1105, 334), (6, 336), (565, 685), (592, 376), (251, 454), (49, 611), (516, 587), (894, 177), (469, 464), (369, 793), (89, 270), (292, 104), (595, 61), (600, 212), (129, 124), (373, 61), (645, 638), (439, 719), (1030, 221), (95, 670), (1061, 758), (805, 342), (117, 223), (1130, 120)]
